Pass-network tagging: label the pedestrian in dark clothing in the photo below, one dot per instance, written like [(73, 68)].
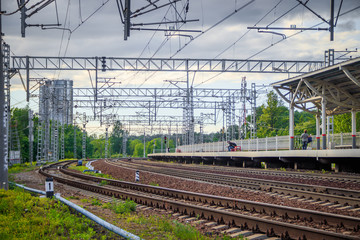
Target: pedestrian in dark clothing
[(305, 138), (310, 140), (232, 145)]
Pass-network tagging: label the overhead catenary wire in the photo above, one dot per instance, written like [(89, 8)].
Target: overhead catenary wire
[(213, 26), (279, 41), (202, 33), (242, 36), (18, 9)]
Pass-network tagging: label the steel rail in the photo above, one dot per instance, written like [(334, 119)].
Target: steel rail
[(301, 190), (320, 176), (271, 209), (272, 228)]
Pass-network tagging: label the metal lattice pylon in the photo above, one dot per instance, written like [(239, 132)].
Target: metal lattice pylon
[(84, 137), (15, 147), (7, 116), (253, 111), (242, 118), (106, 142), (31, 136), (75, 156), (124, 143)]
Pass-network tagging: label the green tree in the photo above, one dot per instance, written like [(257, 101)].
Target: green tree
[(342, 122), (99, 148), (116, 138), (273, 119), (20, 123), (138, 150), (304, 120), (131, 146)]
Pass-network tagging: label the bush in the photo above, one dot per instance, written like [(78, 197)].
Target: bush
[(121, 207), (16, 168)]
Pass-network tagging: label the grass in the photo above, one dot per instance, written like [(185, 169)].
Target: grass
[(96, 202), (121, 207), (161, 227), (103, 183), (155, 226), (82, 168), (23, 216), (41, 218), (154, 184), (23, 167)]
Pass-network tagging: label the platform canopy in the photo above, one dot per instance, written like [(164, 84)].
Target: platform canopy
[(338, 84)]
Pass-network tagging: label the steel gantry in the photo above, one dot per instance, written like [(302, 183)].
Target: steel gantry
[(104, 96), (96, 64)]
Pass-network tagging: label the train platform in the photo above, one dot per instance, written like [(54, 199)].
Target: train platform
[(332, 159)]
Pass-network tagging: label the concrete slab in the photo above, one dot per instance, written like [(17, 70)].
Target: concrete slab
[(220, 227), (210, 224), (345, 207), (242, 233), (199, 221), (329, 153), (257, 236), (231, 230)]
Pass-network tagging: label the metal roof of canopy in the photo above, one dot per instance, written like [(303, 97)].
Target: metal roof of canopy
[(338, 84)]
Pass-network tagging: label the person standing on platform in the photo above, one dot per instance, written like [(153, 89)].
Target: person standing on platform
[(231, 146), (309, 141), (305, 138)]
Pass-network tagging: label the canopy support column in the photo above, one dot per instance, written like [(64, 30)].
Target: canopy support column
[(353, 128), (323, 122), (317, 131), (291, 125)]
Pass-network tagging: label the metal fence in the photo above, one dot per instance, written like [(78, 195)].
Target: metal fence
[(334, 141)]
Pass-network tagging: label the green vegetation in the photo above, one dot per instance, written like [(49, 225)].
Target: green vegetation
[(160, 227), (23, 216), (42, 218), (103, 183), (96, 202), (16, 168), (154, 184), (121, 207), (82, 168)]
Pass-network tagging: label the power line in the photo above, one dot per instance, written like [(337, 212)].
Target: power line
[(19, 8), (242, 36), (279, 41), (213, 26)]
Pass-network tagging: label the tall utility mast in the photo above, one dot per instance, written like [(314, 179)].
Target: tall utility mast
[(55, 101), (31, 136), (253, 95), (242, 118), (75, 156), (3, 134), (15, 148), (84, 137)]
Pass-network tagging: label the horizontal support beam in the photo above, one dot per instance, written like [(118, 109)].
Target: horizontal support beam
[(163, 64), (100, 104), (159, 92)]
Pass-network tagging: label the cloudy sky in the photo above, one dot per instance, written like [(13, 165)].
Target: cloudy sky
[(94, 28)]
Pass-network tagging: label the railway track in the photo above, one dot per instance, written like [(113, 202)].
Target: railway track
[(333, 177), (225, 212), (345, 198)]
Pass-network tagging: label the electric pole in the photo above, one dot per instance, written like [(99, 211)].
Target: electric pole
[(3, 156)]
